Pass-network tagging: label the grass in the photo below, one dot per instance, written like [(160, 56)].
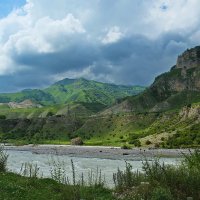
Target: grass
[(14, 187), (168, 129), (3, 159)]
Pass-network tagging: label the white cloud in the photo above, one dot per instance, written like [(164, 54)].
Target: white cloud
[(114, 34), (74, 31), (21, 33), (87, 73), (180, 16), (195, 37), (3, 64), (47, 35)]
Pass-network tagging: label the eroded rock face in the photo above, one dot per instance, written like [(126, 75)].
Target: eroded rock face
[(189, 59), (24, 104), (190, 112)]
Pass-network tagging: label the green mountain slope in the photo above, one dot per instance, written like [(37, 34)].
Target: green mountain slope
[(74, 90), (35, 95), (167, 114), (155, 117)]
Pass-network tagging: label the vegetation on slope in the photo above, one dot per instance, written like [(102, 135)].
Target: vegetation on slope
[(171, 90), (171, 129), (151, 118), (74, 90)]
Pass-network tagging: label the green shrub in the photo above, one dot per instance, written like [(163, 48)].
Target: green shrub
[(2, 117), (136, 143), (148, 142), (160, 181), (161, 194), (50, 114), (127, 179), (182, 181)]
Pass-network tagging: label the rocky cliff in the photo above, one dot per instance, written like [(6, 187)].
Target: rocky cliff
[(189, 59), (174, 89)]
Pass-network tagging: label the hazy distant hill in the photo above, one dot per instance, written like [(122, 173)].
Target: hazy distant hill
[(74, 90)]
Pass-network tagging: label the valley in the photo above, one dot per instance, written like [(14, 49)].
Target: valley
[(166, 114)]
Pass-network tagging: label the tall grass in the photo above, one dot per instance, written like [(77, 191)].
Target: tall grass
[(3, 159), (161, 181), (30, 170), (58, 171), (75, 185), (127, 179)]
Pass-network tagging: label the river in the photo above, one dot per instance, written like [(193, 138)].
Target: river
[(82, 164)]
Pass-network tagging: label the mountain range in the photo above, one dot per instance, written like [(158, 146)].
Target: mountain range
[(166, 114), (74, 90)]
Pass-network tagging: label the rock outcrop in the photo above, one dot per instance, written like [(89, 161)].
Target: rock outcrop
[(189, 59), (190, 113)]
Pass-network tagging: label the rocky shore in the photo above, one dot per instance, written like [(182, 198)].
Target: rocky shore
[(114, 153)]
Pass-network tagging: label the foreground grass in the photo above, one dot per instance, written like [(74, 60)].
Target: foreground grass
[(14, 187)]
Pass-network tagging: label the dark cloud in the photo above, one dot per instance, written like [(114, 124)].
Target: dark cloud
[(132, 60), (141, 41)]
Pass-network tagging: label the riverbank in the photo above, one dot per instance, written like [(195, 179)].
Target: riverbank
[(157, 181), (103, 152)]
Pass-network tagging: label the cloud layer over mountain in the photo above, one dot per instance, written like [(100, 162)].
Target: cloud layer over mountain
[(124, 41)]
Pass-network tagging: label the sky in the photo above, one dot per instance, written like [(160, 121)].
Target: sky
[(126, 42)]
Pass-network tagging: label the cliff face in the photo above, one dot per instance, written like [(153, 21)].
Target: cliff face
[(189, 59)]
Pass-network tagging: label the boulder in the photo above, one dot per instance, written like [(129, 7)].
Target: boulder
[(77, 141)]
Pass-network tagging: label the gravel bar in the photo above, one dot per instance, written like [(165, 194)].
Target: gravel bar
[(115, 153)]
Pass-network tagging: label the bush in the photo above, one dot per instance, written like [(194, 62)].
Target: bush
[(136, 143), (182, 181), (50, 114), (157, 145), (160, 181), (161, 194), (124, 180), (3, 159), (2, 117), (148, 142)]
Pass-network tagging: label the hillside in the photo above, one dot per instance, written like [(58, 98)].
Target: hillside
[(74, 90), (167, 114), (171, 90), (177, 128)]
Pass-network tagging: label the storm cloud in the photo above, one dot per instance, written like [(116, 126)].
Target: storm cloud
[(124, 42)]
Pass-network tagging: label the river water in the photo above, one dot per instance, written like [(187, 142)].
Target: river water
[(82, 165)]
